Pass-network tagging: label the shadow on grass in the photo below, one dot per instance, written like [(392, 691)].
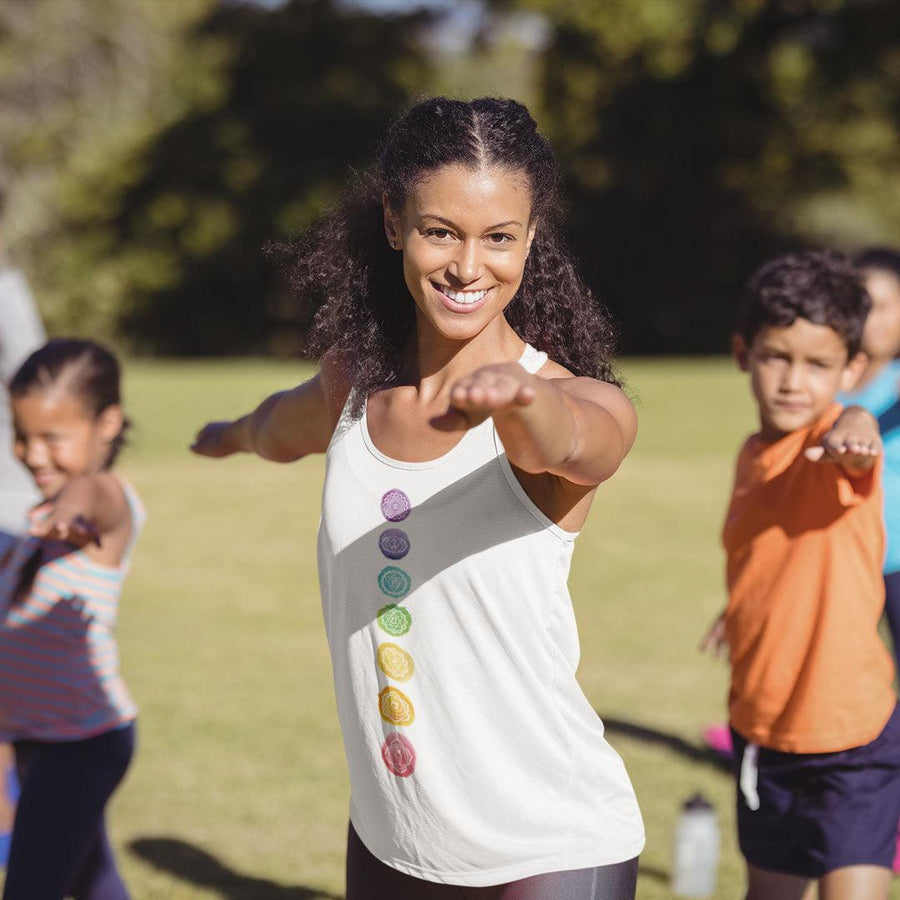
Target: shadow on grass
[(651, 873), (195, 865), (647, 735)]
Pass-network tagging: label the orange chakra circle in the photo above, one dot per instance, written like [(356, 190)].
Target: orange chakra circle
[(395, 707), (395, 662)]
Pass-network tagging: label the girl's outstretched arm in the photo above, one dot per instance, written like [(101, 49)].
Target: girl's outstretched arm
[(285, 426), (85, 511), (577, 429)]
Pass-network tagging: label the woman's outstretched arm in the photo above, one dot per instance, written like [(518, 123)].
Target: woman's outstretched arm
[(286, 426), (578, 429)]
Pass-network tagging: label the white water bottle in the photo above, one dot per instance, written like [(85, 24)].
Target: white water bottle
[(696, 854)]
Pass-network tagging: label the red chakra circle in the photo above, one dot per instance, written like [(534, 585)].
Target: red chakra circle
[(399, 755)]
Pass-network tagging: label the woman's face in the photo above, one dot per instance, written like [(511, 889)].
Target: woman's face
[(465, 235)]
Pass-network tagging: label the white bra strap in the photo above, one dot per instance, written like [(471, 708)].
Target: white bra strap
[(531, 360)]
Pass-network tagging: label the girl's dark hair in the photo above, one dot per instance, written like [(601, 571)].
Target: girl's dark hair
[(820, 286), (350, 282), (882, 258), (84, 369)]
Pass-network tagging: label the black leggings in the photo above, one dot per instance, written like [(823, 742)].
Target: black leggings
[(370, 879), (59, 843)]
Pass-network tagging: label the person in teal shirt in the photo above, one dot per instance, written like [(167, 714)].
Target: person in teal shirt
[(878, 391)]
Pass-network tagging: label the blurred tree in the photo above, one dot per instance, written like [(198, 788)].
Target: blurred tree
[(700, 136), (84, 87), (160, 236)]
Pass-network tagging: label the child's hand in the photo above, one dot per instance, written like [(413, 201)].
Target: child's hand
[(714, 640), (213, 440), (853, 442), (60, 521), (493, 388)]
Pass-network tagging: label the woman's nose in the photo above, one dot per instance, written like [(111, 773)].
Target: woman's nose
[(466, 265)]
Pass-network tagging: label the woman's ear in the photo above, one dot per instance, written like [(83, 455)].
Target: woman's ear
[(532, 230), (111, 420), (391, 224)]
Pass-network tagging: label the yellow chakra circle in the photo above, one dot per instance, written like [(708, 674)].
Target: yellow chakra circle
[(395, 707), (395, 662)]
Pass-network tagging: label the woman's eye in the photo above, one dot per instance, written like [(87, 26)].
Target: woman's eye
[(500, 237), (439, 233)]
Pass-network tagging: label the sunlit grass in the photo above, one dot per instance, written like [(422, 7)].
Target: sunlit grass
[(239, 789)]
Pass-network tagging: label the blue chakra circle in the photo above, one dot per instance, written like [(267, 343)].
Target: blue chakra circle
[(394, 582), (393, 543)]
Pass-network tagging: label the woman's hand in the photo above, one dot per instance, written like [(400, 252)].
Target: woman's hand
[(215, 439), (493, 388)]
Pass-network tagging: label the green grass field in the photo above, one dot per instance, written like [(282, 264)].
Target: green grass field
[(239, 790)]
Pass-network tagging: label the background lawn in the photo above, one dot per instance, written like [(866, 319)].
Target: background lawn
[(239, 789)]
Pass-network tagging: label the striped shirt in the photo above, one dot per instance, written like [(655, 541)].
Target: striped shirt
[(59, 663)]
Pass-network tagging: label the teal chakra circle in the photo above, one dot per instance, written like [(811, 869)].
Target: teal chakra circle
[(394, 582)]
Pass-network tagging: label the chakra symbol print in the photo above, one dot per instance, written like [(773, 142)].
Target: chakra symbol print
[(395, 662), (394, 582), (395, 506), (394, 706), (395, 620), (394, 543), (399, 755)]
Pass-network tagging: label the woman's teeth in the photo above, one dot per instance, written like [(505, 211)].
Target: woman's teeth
[(462, 297)]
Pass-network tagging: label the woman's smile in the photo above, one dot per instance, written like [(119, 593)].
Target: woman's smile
[(464, 301)]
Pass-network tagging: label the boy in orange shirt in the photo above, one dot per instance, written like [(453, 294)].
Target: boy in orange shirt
[(812, 708)]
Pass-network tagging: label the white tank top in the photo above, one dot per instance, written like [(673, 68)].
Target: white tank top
[(474, 756)]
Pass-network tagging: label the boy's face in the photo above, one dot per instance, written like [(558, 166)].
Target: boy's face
[(795, 373)]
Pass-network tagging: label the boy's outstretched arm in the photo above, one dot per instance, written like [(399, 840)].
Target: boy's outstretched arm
[(853, 442), (285, 426)]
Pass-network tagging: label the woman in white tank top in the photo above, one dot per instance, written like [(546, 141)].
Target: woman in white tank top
[(468, 410)]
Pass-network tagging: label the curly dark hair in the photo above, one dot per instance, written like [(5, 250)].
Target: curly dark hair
[(820, 286), (349, 281), (87, 370)]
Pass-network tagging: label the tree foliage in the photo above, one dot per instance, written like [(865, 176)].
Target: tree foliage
[(157, 230), (150, 149), (700, 136)]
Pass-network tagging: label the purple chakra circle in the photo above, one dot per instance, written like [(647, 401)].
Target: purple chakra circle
[(393, 543), (395, 505)]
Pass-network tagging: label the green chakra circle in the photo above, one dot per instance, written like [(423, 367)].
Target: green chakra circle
[(395, 620), (394, 582)]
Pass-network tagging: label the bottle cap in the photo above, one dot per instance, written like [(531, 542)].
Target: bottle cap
[(697, 802)]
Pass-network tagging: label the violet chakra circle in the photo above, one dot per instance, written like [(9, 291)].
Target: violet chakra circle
[(395, 505), (393, 543)]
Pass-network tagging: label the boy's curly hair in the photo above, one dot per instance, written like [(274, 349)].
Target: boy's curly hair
[(350, 282), (820, 286)]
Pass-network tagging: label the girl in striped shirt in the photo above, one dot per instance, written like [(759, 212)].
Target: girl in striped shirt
[(63, 704)]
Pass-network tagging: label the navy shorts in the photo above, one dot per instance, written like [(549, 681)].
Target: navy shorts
[(820, 811)]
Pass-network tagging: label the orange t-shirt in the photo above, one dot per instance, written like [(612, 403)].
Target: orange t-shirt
[(805, 545)]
